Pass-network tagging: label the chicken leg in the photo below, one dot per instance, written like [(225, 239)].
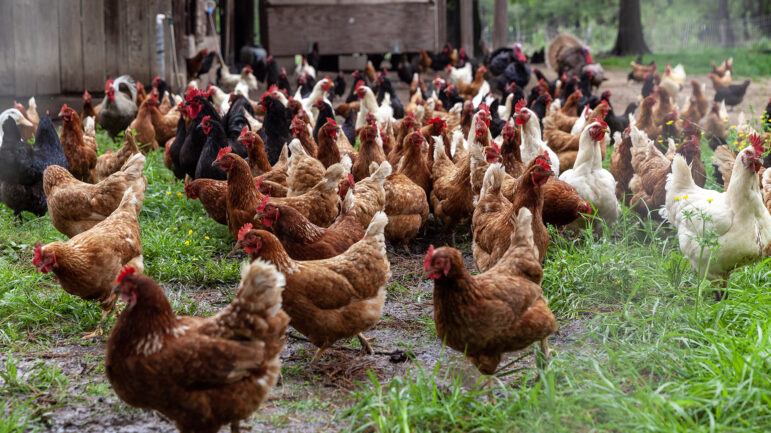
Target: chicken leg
[(235, 427), (99, 331), (542, 354), (366, 348), (319, 351)]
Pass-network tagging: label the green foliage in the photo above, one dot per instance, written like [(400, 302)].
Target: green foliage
[(748, 62)]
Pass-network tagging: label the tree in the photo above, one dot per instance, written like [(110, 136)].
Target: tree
[(630, 38)]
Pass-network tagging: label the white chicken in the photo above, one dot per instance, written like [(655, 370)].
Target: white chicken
[(532, 144), (673, 80), (579, 124), (594, 183), (464, 74), (304, 68), (320, 90), (228, 81), (737, 216), (383, 113)]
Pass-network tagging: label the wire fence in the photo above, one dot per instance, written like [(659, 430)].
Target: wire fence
[(685, 34)]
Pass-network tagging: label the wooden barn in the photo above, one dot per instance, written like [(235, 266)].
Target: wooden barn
[(61, 46), (352, 26)]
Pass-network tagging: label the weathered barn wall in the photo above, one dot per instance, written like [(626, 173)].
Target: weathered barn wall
[(59, 46)]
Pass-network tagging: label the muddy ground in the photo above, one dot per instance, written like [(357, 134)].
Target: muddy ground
[(311, 397)]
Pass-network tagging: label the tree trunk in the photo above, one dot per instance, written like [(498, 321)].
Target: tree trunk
[(724, 21), (630, 38)]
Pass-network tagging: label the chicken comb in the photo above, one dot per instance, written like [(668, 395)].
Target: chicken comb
[(263, 203), (243, 231), (128, 270), (108, 84), (359, 84), (224, 151), (546, 156), (326, 77), (332, 122), (244, 132), (579, 94), (36, 260), (600, 121), (439, 121), (205, 119), (522, 103), (272, 89), (494, 145), (429, 256), (64, 108), (485, 108), (542, 162), (756, 143)]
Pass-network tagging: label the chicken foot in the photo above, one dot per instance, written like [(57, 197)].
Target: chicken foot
[(543, 353), (99, 331), (319, 351), (366, 348), (235, 427)]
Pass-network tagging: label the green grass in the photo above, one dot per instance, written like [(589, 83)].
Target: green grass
[(748, 62)]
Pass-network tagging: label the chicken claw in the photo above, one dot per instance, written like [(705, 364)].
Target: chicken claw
[(98, 332), (366, 348), (317, 356)]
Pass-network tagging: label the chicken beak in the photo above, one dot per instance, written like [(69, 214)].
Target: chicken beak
[(23, 121), (116, 289), (215, 163), (607, 130)]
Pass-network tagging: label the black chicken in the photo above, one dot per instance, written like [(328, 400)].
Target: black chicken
[(283, 82), (198, 107), (325, 112), (235, 120), (386, 87), (276, 127), (733, 94), (339, 89), (272, 72), (215, 140), (22, 166), (648, 85)]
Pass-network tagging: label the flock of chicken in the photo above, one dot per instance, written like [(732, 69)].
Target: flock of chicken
[(312, 203)]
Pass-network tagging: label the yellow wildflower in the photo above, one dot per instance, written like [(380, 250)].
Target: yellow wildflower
[(677, 198), (685, 196), (732, 126), (670, 122), (179, 194), (187, 242), (168, 192), (741, 134), (190, 232), (206, 237), (175, 229), (709, 200)]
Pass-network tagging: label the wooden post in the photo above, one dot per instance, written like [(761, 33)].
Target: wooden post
[(500, 23), (441, 24), (467, 26), (229, 31)]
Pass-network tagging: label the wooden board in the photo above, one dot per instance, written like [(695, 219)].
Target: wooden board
[(7, 50), (46, 44), (71, 46), (23, 31), (339, 2), (357, 28), (112, 37), (93, 45), (136, 40)]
